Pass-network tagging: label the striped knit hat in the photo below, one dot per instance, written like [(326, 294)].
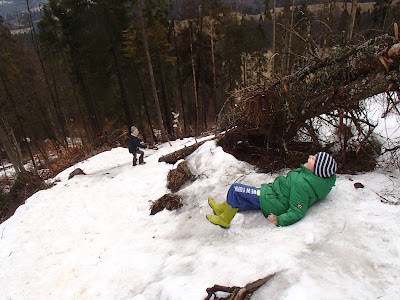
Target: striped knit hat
[(325, 165)]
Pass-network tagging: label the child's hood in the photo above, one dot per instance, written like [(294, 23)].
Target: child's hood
[(321, 186)]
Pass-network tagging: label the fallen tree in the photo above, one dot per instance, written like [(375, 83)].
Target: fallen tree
[(173, 157), (270, 117)]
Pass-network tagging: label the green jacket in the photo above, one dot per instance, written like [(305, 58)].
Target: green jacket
[(289, 197)]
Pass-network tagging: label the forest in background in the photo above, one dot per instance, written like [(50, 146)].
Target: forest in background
[(88, 70)]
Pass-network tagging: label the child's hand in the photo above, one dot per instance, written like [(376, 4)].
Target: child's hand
[(273, 219)]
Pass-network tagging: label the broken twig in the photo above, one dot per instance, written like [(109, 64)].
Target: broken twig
[(237, 293)]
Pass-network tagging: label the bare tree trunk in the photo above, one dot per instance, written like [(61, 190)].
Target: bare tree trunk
[(290, 38), (145, 105), (76, 98), (194, 77), (61, 112), (273, 38), (178, 69), (150, 66), (213, 68), (244, 70), (342, 134), (56, 101), (11, 153), (92, 114), (199, 65), (45, 120), (16, 112), (69, 73), (89, 98), (122, 88), (13, 139), (353, 18), (165, 98)]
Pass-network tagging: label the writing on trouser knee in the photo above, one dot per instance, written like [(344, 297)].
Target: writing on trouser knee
[(247, 190)]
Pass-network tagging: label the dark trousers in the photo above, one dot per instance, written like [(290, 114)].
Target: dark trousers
[(140, 157)]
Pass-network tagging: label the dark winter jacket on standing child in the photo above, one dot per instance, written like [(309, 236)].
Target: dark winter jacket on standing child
[(134, 145), (286, 200)]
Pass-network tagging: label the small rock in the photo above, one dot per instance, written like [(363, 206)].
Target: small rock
[(358, 185), (77, 171)]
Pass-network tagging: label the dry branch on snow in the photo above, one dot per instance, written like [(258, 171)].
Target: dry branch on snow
[(235, 292)]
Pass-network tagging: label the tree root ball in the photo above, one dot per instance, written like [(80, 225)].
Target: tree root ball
[(177, 177)]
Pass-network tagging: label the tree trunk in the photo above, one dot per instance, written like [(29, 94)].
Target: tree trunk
[(194, 77), (273, 38), (200, 62), (168, 114), (290, 38), (173, 157), (92, 114), (144, 100), (45, 120), (150, 66), (122, 89), (244, 70), (178, 69), (11, 153), (56, 101), (327, 21), (69, 73), (94, 118), (352, 18), (78, 102), (12, 138), (17, 115), (213, 70)]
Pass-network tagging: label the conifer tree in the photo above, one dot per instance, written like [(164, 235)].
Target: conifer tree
[(71, 21), (150, 69)]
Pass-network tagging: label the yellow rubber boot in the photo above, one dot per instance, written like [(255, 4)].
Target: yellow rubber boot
[(218, 208), (224, 219)]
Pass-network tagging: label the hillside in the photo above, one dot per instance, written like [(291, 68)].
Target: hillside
[(92, 237), (255, 7), (11, 10)]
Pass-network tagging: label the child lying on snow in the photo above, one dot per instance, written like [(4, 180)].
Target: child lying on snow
[(286, 200)]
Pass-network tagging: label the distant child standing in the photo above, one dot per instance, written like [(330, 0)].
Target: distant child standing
[(134, 145), (286, 200)]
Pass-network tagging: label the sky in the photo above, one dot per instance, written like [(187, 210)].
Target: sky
[(92, 236)]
